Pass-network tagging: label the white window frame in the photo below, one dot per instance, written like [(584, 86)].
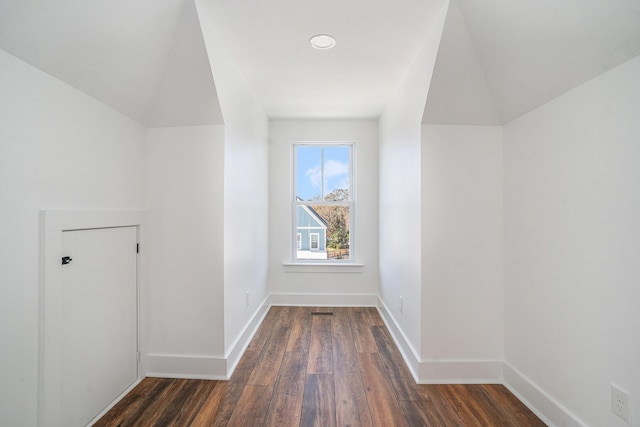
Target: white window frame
[(351, 203), (311, 236)]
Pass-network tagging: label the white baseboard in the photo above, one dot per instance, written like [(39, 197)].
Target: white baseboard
[(206, 367), (327, 300), (187, 366), (241, 343), (536, 399), (409, 354), (440, 371), (461, 372), (115, 402)]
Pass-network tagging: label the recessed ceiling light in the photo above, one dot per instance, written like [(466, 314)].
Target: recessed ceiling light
[(322, 41)]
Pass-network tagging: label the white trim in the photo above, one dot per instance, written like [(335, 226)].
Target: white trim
[(353, 195), (206, 367), (351, 203), (234, 354), (549, 410), (408, 352), (440, 371), (317, 248), (332, 300), (461, 372), (187, 366), (115, 402), (322, 202), (323, 266), (52, 224)]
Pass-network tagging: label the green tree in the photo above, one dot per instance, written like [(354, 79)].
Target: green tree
[(337, 232), (337, 219)]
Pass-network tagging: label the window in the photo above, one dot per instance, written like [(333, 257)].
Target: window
[(323, 202), (315, 241)]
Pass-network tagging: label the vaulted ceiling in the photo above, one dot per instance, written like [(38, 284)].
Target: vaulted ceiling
[(498, 59), (527, 52), (144, 58)]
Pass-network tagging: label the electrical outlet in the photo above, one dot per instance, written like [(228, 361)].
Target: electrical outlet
[(247, 299), (401, 305), (620, 403)]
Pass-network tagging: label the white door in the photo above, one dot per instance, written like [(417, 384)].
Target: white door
[(99, 320)]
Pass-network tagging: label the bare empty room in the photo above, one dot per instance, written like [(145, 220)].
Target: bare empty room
[(184, 183)]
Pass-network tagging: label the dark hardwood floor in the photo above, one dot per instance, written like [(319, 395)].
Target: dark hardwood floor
[(304, 369)]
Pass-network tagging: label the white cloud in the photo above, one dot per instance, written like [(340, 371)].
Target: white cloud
[(315, 175), (332, 169)]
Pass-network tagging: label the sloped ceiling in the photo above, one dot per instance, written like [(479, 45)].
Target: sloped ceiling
[(458, 93), (529, 52), (187, 94), (114, 51), (498, 58)]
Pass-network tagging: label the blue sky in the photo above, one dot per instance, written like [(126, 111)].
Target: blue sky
[(311, 170)]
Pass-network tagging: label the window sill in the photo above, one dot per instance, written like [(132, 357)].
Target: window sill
[(322, 267)]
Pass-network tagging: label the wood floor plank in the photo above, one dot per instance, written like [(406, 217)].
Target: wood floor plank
[(318, 404), (399, 374), (300, 330), (417, 414), (370, 384), (268, 364), (373, 316), (245, 367), (191, 400), (352, 408), (321, 324), (345, 357), (228, 403), (284, 315), (514, 409), (180, 410), (210, 408), (320, 347), (484, 409), (159, 409), (134, 403), (383, 404), (264, 330), (252, 406), (361, 331), (459, 404), (234, 387), (438, 408), (286, 404)]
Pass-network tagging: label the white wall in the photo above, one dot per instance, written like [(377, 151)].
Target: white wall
[(185, 195), (399, 203), (59, 149), (246, 198), (572, 245), (462, 222), (246, 223), (339, 281)]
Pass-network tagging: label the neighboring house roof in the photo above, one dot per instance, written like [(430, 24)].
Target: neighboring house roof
[(312, 212)]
